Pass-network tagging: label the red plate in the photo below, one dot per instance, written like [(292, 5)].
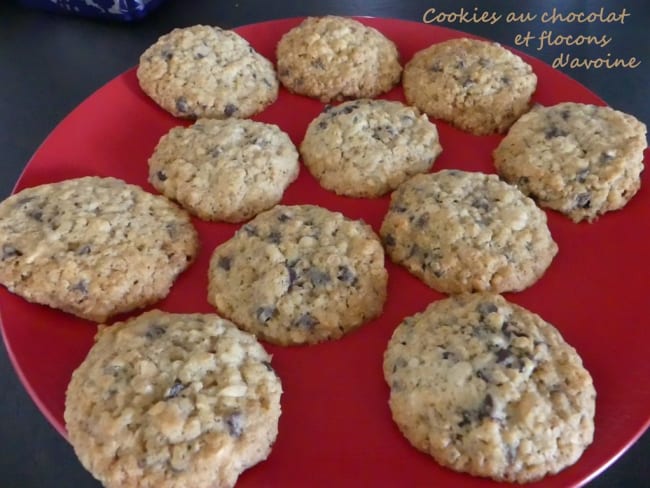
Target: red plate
[(336, 428)]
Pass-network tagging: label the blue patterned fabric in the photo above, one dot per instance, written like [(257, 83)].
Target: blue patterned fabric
[(108, 9)]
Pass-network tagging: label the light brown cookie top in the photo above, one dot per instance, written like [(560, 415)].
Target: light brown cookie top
[(93, 247), (332, 58), (299, 274), (173, 400), (478, 86), (365, 148), (205, 71), (228, 170), (462, 232), (582, 160), (489, 388)]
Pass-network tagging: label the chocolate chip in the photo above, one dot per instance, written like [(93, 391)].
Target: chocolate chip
[(581, 175), (268, 366), (486, 308), (482, 375), (172, 229), (84, 250), (398, 208), (583, 200), (251, 230), (389, 240), (167, 54), (283, 217), (9, 251), (467, 419), (274, 237), (565, 114), (484, 62), (182, 106), (436, 68), (215, 152), (318, 277), (510, 328), (523, 181), (346, 276), (448, 355), (322, 124), (174, 390), (264, 314), (224, 262), (605, 157), (554, 131), (460, 64), (503, 355), (306, 320), (293, 276), (81, 286), (155, 331), (161, 175), (422, 221), (37, 215), (199, 55), (506, 80), (235, 423), (481, 203), (229, 109), (318, 63), (486, 408), (24, 200)]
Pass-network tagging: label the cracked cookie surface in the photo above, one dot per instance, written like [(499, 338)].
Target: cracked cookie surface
[(581, 160), (173, 400), (332, 58), (205, 71), (365, 148), (478, 86), (489, 388), (92, 246), (461, 231), (227, 170), (299, 274)]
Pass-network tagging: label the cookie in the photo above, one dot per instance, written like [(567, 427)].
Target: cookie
[(366, 148), (205, 71), (489, 388), (581, 160), (332, 58), (93, 247), (299, 274), (478, 86), (227, 170), (462, 232), (173, 400)]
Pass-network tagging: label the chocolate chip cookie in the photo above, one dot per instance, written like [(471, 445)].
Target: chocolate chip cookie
[(581, 160), (299, 274), (205, 71), (173, 400), (228, 170), (93, 247), (365, 148), (489, 388), (478, 86), (332, 58), (461, 232)]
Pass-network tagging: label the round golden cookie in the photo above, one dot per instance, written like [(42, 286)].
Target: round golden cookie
[(366, 148), (94, 247), (462, 231), (206, 71), (172, 401), (299, 275), (489, 388), (332, 58), (478, 86), (226, 170), (581, 160)]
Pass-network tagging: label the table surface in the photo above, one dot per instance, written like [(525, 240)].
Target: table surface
[(50, 63)]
